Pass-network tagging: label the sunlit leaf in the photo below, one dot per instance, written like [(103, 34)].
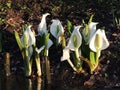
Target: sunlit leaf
[(92, 58), (91, 18), (69, 27), (42, 27), (18, 40)]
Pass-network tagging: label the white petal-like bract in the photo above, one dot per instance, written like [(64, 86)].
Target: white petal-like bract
[(66, 54), (30, 37), (99, 41), (56, 28), (42, 27), (78, 37), (40, 49)]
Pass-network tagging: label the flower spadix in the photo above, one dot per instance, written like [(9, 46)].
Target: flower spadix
[(75, 40), (42, 27), (89, 31), (99, 41), (56, 29)]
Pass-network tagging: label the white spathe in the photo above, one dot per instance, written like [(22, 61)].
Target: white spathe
[(29, 36), (66, 54), (91, 31), (99, 41), (56, 29), (40, 49), (50, 43), (78, 36), (30, 40), (42, 27)]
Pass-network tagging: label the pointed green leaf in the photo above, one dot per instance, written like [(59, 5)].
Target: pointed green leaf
[(25, 41), (92, 58), (18, 40), (70, 27), (91, 18), (86, 30), (83, 22), (46, 39)]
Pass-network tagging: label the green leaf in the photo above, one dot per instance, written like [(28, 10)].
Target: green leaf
[(86, 30), (85, 48), (70, 27), (18, 40), (83, 22), (92, 58), (46, 39), (91, 18), (8, 4), (25, 41), (40, 41)]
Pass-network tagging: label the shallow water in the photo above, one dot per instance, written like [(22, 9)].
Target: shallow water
[(17, 82)]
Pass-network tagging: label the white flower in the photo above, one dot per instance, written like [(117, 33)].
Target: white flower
[(89, 31), (50, 43), (56, 29), (40, 49), (42, 27), (99, 41), (75, 40), (30, 40), (30, 37), (66, 54)]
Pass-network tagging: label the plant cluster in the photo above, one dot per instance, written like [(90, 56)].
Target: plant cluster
[(85, 43)]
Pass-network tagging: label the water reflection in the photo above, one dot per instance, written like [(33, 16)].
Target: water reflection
[(14, 82)]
